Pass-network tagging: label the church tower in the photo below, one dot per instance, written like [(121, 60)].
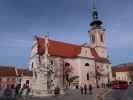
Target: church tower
[(97, 34)]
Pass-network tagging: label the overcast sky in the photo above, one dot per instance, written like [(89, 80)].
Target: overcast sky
[(65, 20)]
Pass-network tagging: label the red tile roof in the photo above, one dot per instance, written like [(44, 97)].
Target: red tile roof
[(123, 68), (57, 48), (24, 72), (7, 71), (120, 69)]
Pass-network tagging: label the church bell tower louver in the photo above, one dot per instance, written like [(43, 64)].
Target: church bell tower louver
[(97, 34)]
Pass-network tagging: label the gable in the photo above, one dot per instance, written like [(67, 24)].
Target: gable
[(86, 52)]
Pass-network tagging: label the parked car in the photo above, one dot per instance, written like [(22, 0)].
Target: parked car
[(119, 84)]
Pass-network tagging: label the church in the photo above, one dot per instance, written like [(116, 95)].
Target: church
[(65, 65)]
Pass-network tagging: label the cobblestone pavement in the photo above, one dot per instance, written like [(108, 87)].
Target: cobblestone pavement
[(72, 95), (120, 94)]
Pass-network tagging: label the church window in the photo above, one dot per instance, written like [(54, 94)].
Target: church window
[(12, 86), (52, 62), (67, 64), (32, 65), (88, 76), (101, 36), (67, 67), (93, 39), (67, 76), (85, 52), (87, 64)]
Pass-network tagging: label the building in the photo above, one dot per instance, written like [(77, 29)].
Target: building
[(11, 76), (7, 77), (123, 72), (65, 65), (24, 77)]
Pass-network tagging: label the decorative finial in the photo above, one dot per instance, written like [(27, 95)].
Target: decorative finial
[(95, 17), (94, 4), (94, 12), (46, 34)]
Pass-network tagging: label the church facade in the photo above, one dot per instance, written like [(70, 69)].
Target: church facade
[(64, 65)]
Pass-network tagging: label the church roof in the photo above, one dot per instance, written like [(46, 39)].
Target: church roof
[(6, 71), (24, 72), (123, 67), (58, 48)]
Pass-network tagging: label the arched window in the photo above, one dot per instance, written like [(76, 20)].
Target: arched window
[(12, 86), (87, 64), (93, 38), (67, 76), (32, 65), (67, 64), (88, 76), (85, 52), (67, 68), (52, 62), (101, 36)]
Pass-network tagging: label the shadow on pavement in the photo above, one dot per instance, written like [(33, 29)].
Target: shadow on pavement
[(3, 98)]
